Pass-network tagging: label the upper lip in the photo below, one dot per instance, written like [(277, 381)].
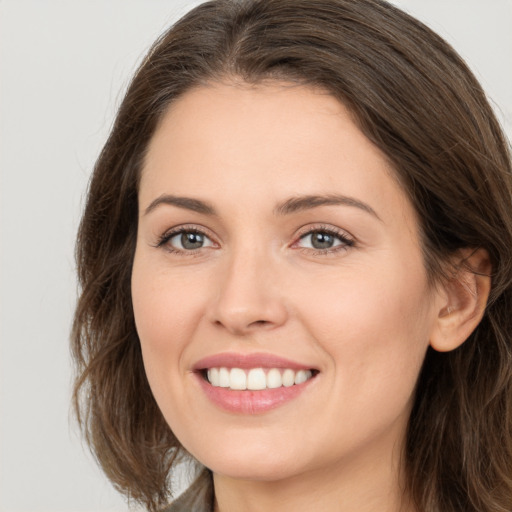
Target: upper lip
[(247, 361)]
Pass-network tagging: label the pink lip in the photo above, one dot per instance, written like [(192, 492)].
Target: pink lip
[(246, 361), (251, 402), (248, 401)]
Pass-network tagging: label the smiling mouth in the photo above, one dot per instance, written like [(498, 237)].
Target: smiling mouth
[(255, 379)]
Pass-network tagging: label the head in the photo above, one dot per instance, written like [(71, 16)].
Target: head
[(422, 115)]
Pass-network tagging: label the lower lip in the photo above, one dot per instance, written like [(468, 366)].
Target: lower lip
[(251, 402)]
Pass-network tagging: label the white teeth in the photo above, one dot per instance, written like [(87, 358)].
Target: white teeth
[(256, 379), (213, 376), (274, 379), (237, 379), (288, 378), (223, 378), (302, 376)]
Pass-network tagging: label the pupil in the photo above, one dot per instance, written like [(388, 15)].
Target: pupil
[(191, 240), (321, 240)]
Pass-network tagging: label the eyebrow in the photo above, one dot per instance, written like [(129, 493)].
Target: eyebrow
[(301, 203), (188, 203), (292, 205)]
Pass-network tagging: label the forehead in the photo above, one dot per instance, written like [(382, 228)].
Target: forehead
[(266, 141)]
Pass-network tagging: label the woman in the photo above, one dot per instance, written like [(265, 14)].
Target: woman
[(295, 262)]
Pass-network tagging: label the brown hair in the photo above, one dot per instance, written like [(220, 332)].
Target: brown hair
[(414, 98)]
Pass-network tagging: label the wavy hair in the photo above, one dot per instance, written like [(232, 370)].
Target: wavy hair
[(414, 98)]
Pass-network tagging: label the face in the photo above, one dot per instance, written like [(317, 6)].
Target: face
[(277, 252)]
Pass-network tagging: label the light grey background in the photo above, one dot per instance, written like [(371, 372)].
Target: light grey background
[(63, 64)]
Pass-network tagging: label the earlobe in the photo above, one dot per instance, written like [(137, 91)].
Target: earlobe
[(464, 300)]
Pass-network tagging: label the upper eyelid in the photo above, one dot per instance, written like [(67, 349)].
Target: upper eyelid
[(170, 233), (186, 227), (346, 239), (308, 229), (299, 233)]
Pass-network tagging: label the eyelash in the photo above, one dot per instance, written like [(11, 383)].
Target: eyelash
[(163, 241), (346, 241), (342, 236)]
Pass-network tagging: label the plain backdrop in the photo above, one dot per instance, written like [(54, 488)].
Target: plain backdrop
[(63, 67)]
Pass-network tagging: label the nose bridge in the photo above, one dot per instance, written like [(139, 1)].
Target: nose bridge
[(247, 295)]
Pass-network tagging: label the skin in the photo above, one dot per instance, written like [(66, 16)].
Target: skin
[(361, 313)]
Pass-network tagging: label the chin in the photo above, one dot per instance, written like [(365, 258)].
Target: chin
[(263, 471), (257, 464)]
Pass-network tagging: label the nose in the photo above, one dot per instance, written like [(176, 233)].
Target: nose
[(248, 295)]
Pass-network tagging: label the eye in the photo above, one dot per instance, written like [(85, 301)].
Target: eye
[(324, 240), (185, 240)]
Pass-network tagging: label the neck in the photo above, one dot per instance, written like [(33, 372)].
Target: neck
[(357, 485)]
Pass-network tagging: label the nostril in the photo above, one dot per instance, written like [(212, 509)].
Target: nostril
[(259, 323), (244, 319)]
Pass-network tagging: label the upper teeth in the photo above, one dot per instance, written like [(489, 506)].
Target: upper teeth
[(256, 378)]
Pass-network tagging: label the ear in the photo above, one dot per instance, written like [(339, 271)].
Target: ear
[(464, 298)]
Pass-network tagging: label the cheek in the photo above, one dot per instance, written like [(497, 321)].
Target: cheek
[(375, 325), (166, 315)]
